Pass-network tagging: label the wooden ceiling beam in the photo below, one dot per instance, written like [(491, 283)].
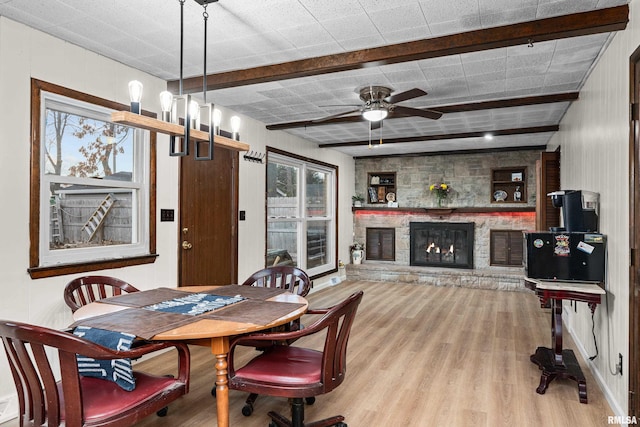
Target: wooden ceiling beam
[(421, 138), (458, 152), (559, 27), (457, 108)]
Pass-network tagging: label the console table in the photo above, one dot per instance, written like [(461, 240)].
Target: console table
[(557, 362)]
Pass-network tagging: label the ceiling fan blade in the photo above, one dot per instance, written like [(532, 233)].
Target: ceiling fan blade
[(404, 96), (408, 111), (344, 113)]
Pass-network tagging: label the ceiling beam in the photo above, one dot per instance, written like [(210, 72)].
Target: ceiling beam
[(573, 25), (418, 138), (458, 108), (451, 152)]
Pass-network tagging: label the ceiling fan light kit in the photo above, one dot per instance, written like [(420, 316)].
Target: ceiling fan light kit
[(375, 113)]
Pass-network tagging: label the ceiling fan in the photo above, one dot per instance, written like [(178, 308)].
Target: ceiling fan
[(379, 104)]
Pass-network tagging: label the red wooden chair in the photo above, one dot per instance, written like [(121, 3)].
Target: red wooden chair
[(296, 372), (75, 400), (84, 290), (288, 277)]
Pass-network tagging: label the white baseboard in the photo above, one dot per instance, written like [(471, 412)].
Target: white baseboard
[(328, 281), (613, 402)]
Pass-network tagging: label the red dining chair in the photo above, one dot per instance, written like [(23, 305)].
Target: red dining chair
[(84, 290), (287, 277), (75, 400), (297, 372)]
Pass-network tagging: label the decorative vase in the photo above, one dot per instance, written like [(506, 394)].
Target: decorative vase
[(440, 201), (357, 255)]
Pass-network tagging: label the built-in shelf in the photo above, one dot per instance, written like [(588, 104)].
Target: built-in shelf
[(382, 187), (447, 211), (508, 185)]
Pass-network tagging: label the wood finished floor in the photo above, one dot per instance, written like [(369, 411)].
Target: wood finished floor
[(420, 356)]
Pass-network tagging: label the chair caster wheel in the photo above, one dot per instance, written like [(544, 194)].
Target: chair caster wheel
[(213, 391), (341, 424), (310, 400), (247, 410), (163, 412)]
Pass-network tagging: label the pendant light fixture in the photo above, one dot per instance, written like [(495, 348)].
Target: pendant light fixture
[(182, 108)]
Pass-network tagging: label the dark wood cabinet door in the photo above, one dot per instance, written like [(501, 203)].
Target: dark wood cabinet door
[(506, 247), (381, 244)]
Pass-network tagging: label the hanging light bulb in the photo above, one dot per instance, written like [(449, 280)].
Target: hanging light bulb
[(135, 95), (235, 127), (194, 114), (217, 118), (166, 103)]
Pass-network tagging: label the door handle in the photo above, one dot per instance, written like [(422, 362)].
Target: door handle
[(186, 245)]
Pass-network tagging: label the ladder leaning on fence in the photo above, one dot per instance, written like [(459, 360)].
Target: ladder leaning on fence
[(57, 235), (97, 218)]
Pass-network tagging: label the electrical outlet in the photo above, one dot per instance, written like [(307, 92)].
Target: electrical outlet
[(619, 365)]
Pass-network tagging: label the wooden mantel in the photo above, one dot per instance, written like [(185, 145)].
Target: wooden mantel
[(446, 211)]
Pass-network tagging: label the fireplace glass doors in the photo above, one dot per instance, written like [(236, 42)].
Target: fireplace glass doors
[(441, 244)]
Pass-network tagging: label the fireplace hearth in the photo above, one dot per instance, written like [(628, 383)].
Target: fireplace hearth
[(441, 244)]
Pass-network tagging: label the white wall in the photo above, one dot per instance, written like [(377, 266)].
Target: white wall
[(594, 141), (25, 53)]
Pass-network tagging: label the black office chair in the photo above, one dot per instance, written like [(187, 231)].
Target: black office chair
[(296, 372)]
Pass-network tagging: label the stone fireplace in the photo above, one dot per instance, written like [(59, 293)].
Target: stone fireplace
[(441, 244)]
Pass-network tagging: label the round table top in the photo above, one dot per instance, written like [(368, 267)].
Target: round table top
[(204, 328)]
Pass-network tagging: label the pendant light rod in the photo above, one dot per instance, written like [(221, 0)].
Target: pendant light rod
[(181, 43), (205, 17), (190, 130)]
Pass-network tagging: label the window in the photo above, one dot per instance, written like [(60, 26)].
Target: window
[(301, 213), (91, 205)]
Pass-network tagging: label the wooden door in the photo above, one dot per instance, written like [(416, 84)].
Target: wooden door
[(208, 244)]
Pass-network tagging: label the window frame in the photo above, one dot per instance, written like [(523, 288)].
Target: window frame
[(331, 217), (36, 270)]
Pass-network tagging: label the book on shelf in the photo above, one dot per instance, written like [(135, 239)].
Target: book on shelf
[(373, 195)]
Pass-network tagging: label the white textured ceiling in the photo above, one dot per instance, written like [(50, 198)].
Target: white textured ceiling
[(250, 33)]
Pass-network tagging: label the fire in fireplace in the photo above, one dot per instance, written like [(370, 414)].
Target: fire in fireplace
[(441, 244)]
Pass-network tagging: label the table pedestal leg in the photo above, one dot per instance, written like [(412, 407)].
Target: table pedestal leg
[(220, 348), (222, 390), (545, 359)]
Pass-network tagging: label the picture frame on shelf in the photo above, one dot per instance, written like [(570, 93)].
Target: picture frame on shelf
[(516, 176)]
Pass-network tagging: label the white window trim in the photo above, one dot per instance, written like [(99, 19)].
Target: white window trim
[(302, 219)]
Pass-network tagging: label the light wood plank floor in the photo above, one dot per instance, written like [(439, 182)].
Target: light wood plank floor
[(421, 356)]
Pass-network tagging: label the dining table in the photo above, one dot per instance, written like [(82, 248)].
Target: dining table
[(247, 309)]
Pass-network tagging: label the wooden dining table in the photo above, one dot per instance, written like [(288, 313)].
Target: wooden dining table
[(255, 313)]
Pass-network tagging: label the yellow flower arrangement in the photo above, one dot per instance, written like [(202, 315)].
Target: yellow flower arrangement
[(441, 191)]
